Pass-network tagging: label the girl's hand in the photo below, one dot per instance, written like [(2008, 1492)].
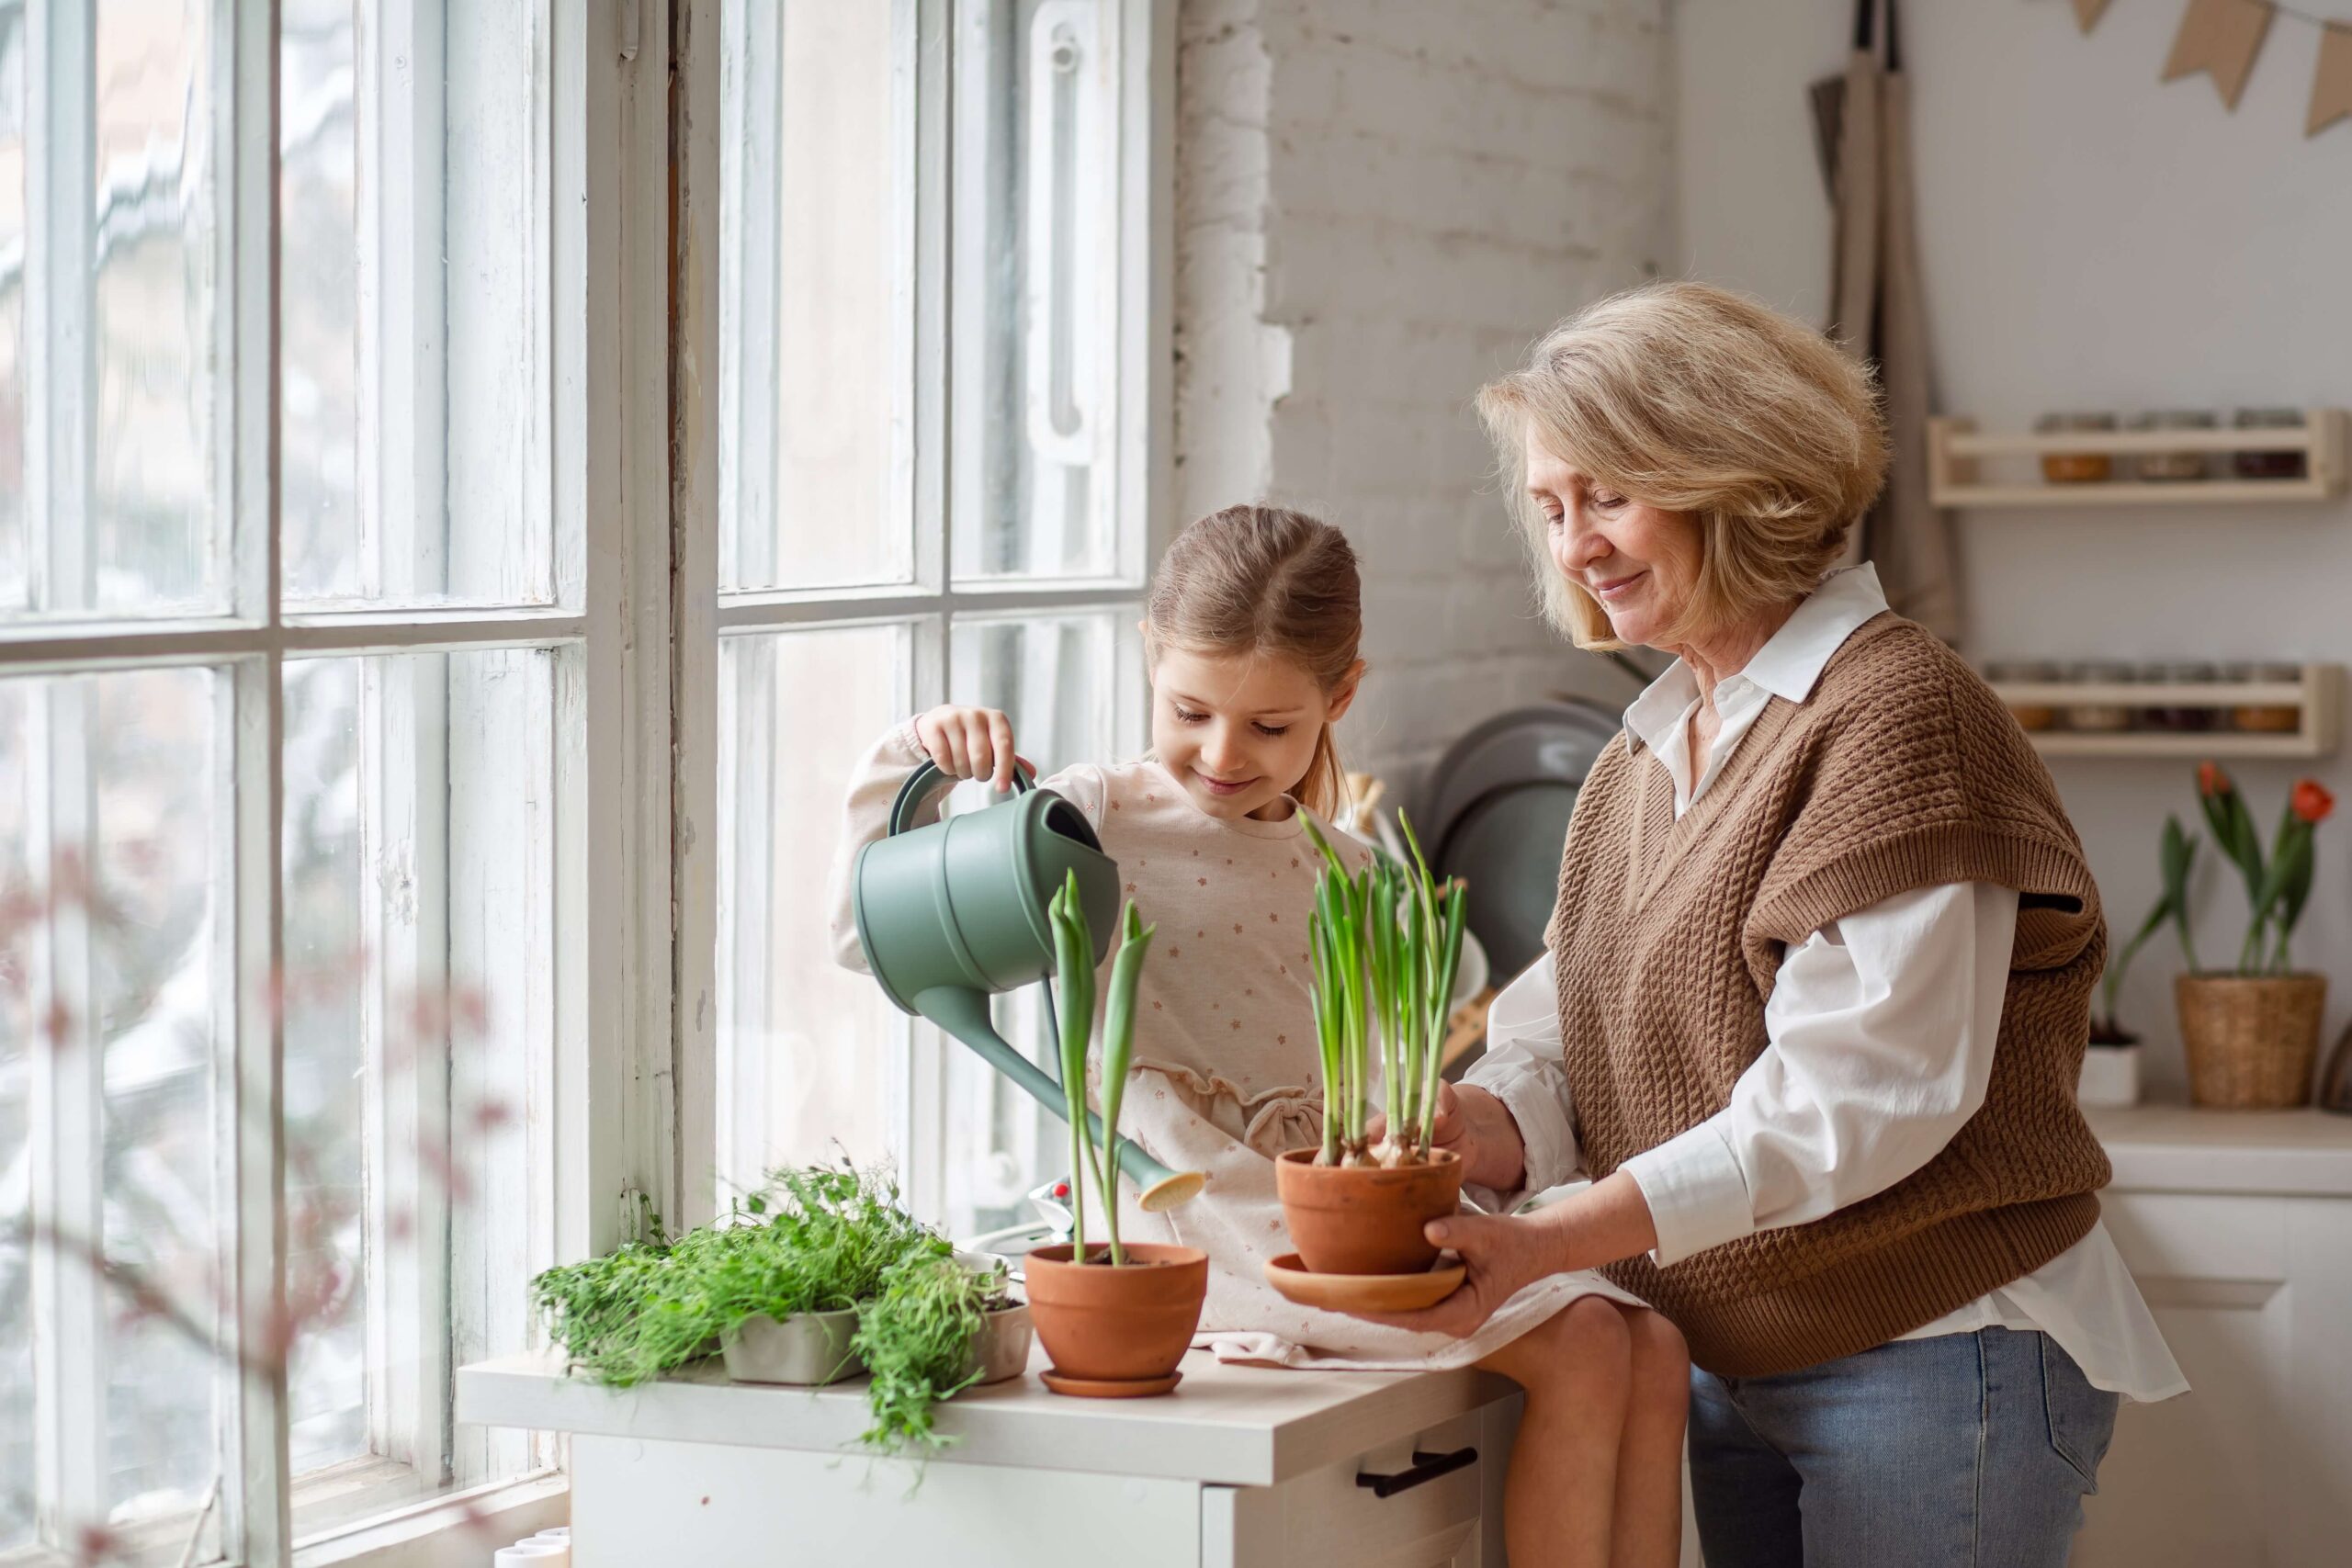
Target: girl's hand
[(970, 743)]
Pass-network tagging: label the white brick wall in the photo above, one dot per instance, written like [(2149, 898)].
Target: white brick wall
[(1379, 204)]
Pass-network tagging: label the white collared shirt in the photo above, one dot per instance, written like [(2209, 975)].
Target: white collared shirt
[(1879, 1036)]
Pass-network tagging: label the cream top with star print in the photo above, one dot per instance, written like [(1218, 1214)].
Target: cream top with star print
[(1223, 997)]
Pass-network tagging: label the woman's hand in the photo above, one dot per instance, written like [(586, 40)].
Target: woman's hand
[(1502, 1256), (1479, 1127), (970, 743)]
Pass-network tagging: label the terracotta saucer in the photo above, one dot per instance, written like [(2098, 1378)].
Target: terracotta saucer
[(1361, 1292), (1106, 1388)]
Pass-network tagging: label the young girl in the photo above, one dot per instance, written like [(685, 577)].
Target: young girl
[(1251, 630)]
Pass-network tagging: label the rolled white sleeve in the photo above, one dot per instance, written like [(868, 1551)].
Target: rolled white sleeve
[(1880, 1029), (1522, 1068)]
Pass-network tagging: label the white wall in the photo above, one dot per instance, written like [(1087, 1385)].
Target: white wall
[(2093, 239), (1379, 204)]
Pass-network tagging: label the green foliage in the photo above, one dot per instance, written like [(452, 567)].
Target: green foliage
[(1074, 1014), (1385, 946), (2277, 884), (817, 1239), (916, 1336)]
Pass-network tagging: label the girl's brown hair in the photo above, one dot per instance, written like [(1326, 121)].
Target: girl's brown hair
[(1264, 580)]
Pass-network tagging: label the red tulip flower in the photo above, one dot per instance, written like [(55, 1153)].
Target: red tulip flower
[(2211, 780), (2311, 803)]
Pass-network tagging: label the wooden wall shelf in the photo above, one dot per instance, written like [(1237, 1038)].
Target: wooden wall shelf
[(2319, 695), (1955, 446)]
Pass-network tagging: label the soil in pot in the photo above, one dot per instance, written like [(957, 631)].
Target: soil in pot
[(2251, 1039), (1128, 1325), (1365, 1219), (806, 1348)]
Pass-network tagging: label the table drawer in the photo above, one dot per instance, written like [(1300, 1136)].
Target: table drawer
[(1429, 1517)]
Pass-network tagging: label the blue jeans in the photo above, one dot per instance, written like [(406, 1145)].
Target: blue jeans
[(1965, 1450)]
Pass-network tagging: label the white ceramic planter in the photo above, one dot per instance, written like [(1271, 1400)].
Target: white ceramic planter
[(807, 1348), (1000, 1350), (2110, 1076)]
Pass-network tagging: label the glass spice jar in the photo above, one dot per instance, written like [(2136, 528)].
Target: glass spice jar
[(2266, 718), (2268, 464), (2029, 714), (2107, 717), (2169, 467), (2086, 467), (2184, 719)]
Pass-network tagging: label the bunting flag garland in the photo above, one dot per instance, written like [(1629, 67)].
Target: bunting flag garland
[(2221, 39), (2332, 84)]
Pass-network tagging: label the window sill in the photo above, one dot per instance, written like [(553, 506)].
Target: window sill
[(458, 1531)]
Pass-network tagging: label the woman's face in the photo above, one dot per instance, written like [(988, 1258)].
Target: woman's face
[(1639, 563)]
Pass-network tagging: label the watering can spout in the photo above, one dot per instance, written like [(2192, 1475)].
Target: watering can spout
[(964, 1013)]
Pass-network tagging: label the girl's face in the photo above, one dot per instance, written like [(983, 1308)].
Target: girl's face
[(1640, 564), (1238, 729)]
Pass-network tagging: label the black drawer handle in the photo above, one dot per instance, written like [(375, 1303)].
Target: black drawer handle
[(1426, 1467)]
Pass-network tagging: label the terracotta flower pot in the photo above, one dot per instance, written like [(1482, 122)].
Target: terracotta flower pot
[(2251, 1039), (1365, 1219), (1126, 1324)]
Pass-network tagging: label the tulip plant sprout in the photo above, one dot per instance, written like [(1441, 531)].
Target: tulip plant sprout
[(1074, 1007), (1385, 944)]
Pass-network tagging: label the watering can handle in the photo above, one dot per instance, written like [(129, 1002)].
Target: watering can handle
[(918, 785)]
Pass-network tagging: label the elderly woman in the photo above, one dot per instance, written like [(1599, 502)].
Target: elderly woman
[(1816, 988)]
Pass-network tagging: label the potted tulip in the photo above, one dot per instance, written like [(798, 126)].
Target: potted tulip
[(2252, 1032), (1116, 1320), (2112, 1067), (1384, 944)]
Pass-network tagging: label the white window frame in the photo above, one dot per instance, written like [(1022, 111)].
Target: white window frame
[(605, 404), (938, 485)]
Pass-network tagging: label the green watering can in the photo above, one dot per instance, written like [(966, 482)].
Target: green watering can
[(952, 913)]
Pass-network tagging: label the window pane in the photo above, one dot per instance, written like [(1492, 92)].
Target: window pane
[(807, 1049), (110, 1055), (156, 957), (419, 877), (817, 173), (1038, 270), (13, 586), (17, 1411), (414, 409), (1061, 679), (153, 522)]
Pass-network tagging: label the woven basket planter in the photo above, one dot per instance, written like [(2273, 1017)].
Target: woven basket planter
[(2251, 1039)]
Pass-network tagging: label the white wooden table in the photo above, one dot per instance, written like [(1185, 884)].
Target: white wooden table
[(1238, 1467), (2238, 1226)]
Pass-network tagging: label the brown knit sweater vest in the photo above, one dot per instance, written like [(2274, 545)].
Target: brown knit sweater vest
[(1901, 771)]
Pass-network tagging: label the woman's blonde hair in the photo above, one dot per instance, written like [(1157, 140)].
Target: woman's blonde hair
[(1696, 400), (1263, 579)]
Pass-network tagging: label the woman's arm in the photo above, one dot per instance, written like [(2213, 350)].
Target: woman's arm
[(1880, 1030), (1512, 1119)]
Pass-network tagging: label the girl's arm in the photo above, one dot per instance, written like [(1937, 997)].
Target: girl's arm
[(966, 743)]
